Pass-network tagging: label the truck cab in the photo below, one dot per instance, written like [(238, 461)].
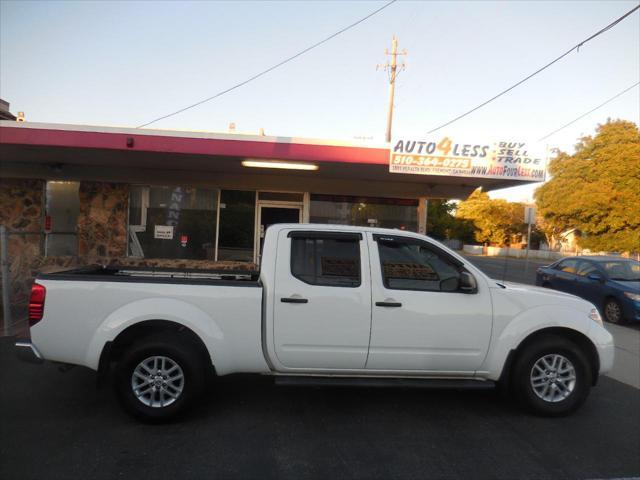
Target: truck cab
[(373, 302)]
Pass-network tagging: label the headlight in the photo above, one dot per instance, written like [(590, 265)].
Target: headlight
[(633, 296), (595, 316)]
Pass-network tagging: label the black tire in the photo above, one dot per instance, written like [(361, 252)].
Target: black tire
[(613, 312), (192, 365), (524, 366)]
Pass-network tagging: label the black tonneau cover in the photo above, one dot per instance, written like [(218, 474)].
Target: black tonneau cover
[(115, 273)]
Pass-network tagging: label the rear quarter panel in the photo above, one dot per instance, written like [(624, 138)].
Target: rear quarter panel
[(81, 316)]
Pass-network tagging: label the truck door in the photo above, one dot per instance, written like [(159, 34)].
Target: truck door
[(322, 300), (421, 321)]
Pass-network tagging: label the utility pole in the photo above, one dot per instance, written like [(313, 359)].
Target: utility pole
[(392, 69)]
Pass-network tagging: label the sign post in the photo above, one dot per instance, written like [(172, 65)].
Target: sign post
[(529, 219)]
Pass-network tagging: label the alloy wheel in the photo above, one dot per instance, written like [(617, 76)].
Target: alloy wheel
[(553, 378), (157, 381)]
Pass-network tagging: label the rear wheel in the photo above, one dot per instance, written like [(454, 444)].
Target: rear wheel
[(160, 376), (552, 376), (613, 311)]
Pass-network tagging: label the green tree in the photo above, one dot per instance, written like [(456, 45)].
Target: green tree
[(597, 189), (495, 220), (442, 224)]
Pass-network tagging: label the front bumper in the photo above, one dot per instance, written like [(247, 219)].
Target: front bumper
[(607, 355), (27, 352), (603, 341), (631, 310)]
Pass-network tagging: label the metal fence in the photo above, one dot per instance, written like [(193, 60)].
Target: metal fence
[(13, 316)]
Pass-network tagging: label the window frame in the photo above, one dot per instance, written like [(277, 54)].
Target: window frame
[(134, 247), (433, 248), (321, 235)]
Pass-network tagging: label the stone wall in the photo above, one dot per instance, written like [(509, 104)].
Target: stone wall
[(21, 211), (102, 235), (102, 223)]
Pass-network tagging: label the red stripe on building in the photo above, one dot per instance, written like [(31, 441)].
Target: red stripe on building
[(196, 146)]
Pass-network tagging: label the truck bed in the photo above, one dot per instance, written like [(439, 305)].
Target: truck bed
[(87, 307)]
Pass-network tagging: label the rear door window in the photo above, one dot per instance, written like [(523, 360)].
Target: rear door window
[(332, 262), (586, 268)]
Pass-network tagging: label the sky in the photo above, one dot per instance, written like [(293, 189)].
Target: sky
[(126, 63)]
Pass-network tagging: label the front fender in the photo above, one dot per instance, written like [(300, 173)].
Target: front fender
[(138, 311), (526, 323)]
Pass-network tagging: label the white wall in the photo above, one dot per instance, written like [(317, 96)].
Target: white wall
[(512, 252)]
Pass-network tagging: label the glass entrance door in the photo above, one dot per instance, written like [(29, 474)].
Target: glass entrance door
[(273, 214)]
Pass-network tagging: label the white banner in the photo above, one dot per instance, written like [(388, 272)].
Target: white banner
[(163, 232), (446, 156)]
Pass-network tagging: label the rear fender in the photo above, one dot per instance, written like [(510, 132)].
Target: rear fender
[(168, 309)]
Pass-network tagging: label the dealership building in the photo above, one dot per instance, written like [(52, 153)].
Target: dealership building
[(73, 195)]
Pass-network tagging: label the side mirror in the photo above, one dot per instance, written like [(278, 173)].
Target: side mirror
[(596, 277), (467, 283), (451, 284)]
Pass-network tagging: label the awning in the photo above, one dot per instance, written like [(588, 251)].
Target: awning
[(72, 152)]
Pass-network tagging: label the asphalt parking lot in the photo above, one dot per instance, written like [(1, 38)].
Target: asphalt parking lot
[(507, 268), (59, 425)]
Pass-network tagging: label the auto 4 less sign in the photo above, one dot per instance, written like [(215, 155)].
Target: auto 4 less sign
[(447, 156)]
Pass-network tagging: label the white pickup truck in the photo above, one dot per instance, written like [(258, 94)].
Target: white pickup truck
[(330, 303)]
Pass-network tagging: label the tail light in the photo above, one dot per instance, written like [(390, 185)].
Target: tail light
[(36, 303)]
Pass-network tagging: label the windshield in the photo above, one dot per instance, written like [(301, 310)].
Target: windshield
[(625, 270)]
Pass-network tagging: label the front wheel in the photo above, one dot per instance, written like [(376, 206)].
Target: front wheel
[(159, 377), (552, 376)]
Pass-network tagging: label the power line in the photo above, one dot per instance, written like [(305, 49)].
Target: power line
[(590, 111), (270, 69), (577, 47)]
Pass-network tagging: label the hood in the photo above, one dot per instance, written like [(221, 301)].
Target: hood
[(528, 296), (532, 288)]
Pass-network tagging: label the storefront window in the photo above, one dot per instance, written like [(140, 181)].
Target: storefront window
[(172, 222), (237, 225), (61, 222), (365, 211)]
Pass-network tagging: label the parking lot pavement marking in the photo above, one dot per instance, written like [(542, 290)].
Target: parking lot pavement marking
[(616, 478)]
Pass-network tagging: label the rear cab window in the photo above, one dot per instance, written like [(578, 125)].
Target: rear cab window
[(326, 258)]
